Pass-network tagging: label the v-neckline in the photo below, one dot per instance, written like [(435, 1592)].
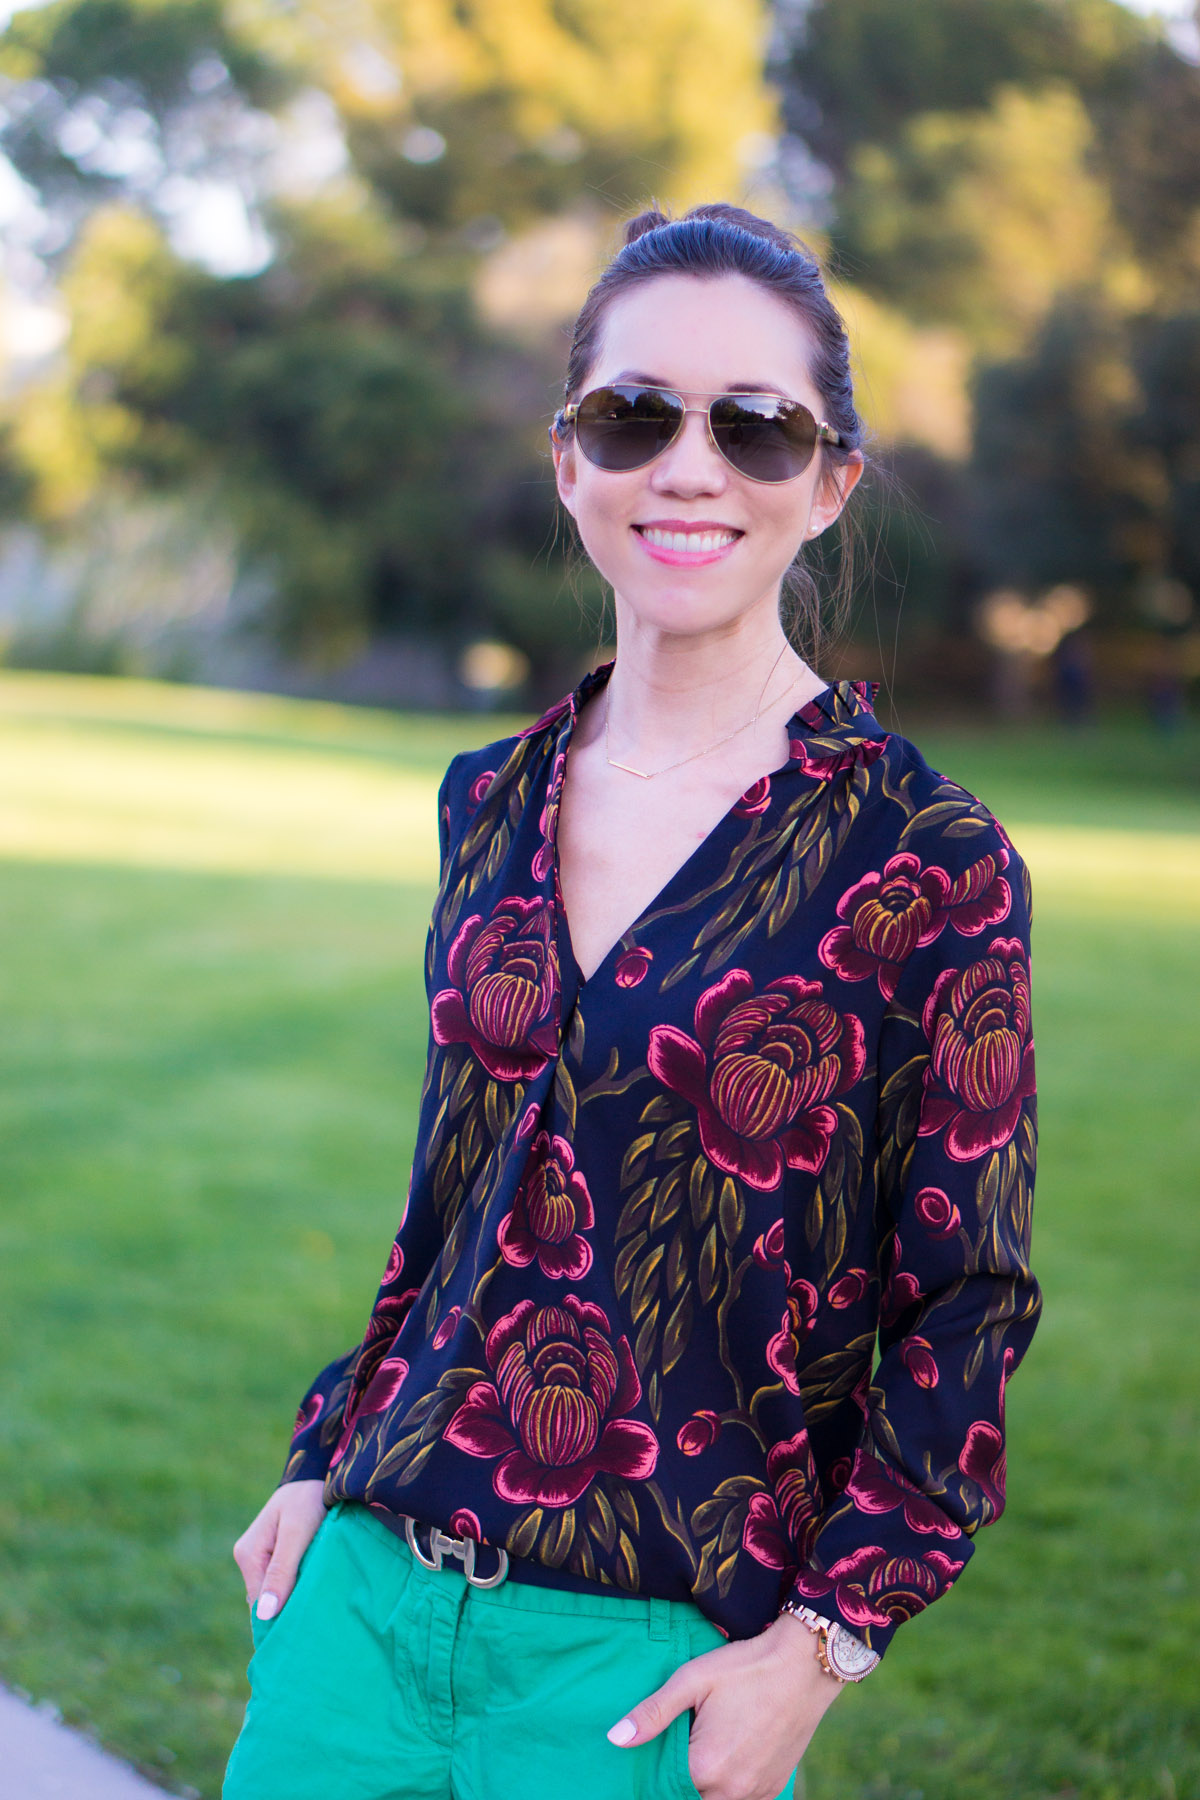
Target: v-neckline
[(595, 679)]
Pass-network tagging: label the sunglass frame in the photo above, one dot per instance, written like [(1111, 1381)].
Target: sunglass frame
[(823, 432)]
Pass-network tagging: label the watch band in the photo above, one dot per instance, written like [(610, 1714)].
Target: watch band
[(832, 1639)]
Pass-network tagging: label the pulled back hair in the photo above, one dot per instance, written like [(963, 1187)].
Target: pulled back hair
[(719, 239)]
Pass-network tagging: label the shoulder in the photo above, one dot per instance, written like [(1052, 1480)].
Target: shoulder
[(933, 856), (474, 776), (917, 809)]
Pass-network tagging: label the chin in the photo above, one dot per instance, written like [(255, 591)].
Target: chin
[(683, 605)]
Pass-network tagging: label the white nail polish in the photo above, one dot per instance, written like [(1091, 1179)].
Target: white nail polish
[(268, 1606), (623, 1732)]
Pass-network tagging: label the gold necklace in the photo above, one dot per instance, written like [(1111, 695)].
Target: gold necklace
[(649, 774)]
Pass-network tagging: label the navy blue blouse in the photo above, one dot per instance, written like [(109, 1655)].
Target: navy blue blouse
[(714, 1266)]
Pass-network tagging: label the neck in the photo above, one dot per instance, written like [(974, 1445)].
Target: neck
[(669, 691)]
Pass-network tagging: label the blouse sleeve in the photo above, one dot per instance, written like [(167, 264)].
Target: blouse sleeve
[(321, 1412), (319, 1422), (956, 1148)]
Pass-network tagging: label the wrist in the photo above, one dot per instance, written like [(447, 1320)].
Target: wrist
[(841, 1655)]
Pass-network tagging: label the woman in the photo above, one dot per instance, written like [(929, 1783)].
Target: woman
[(684, 1385)]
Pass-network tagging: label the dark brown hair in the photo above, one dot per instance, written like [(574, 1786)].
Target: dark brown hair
[(719, 239)]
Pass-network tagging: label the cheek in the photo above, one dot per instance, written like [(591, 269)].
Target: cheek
[(602, 512)]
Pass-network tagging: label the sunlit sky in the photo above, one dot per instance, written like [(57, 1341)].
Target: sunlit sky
[(211, 223)]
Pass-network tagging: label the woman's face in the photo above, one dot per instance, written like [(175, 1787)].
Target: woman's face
[(700, 336)]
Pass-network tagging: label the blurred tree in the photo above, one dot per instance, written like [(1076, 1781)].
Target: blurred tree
[(1064, 493), (383, 452), (855, 72), (507, 114), (1026, 179), (1166, 427), (102, 100), (1086, 463), (981, 219)]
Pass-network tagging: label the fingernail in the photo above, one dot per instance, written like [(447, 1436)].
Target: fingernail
[(268, 1606), (623, 1732)]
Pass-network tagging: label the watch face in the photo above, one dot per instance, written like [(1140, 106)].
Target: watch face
[(848, 1654)]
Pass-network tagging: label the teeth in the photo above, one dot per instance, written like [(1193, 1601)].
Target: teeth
[(693, 542)]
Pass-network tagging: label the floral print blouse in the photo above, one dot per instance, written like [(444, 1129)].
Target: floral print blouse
[(714, 1266)]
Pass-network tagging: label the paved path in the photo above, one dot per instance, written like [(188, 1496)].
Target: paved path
[(43, 1760)]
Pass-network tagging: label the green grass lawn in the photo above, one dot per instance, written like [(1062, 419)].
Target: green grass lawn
[(214, 909)]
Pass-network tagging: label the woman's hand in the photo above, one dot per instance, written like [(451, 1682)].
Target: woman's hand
[(269, 1550), (757, 1702)]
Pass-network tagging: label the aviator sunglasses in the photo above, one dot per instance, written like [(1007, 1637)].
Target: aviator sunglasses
[(763, 436)]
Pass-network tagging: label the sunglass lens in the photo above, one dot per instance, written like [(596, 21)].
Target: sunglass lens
[(767, 440), (624, 428)]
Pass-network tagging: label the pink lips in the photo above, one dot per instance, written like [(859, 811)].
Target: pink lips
[(686, 559)]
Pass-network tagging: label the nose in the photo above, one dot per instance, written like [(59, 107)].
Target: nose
[(691, 464)]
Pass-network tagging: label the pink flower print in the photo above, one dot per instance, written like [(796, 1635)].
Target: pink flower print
[(548, 717), (829, 760), (781, 1525), (873, 1588), (759, 1071), (916, 1353), (479, 787), (309, 1414), (783, 1350), (901, 1290), (849, 1289), (395, 1264), (383, 1328), (446, 1328), (768, 1247), (543, 860), (981, 1057), (505, 975), (937, 1212), (387, 1316), (464, 1524), (886, 916), (556, 1412), (980, 896), (839, 1474), (699, 1433), (755, 800), (874, 1489), (551, 1210), (985, 1462), (631, 968), (343, 1443), (383, 1386)]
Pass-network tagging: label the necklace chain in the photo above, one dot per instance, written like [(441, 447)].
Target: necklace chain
[(649, 774)]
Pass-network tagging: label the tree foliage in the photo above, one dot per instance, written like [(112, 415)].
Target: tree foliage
[(1014, 215), (383, 453), (1026, 177)]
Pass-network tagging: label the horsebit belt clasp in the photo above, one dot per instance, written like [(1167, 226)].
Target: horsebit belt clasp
[(441, 1544)]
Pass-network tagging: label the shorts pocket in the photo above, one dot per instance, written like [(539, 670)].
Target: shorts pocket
[(260, 1629), (682, 1727)]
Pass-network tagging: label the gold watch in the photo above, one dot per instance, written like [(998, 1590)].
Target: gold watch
[(839, 1652)]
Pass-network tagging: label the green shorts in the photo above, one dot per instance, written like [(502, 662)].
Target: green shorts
[(380, 1679)]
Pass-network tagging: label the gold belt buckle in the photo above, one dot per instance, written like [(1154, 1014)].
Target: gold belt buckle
[(442, 1544)]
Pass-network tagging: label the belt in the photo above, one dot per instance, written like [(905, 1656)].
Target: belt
[(442, 1544)]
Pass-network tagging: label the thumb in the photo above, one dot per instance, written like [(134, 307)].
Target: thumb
[(656, 1711)]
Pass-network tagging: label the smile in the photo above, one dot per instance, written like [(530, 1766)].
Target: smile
[(677, 546), (693, 542)]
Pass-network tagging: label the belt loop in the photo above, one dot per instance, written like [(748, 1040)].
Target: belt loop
[(660, 1620)]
